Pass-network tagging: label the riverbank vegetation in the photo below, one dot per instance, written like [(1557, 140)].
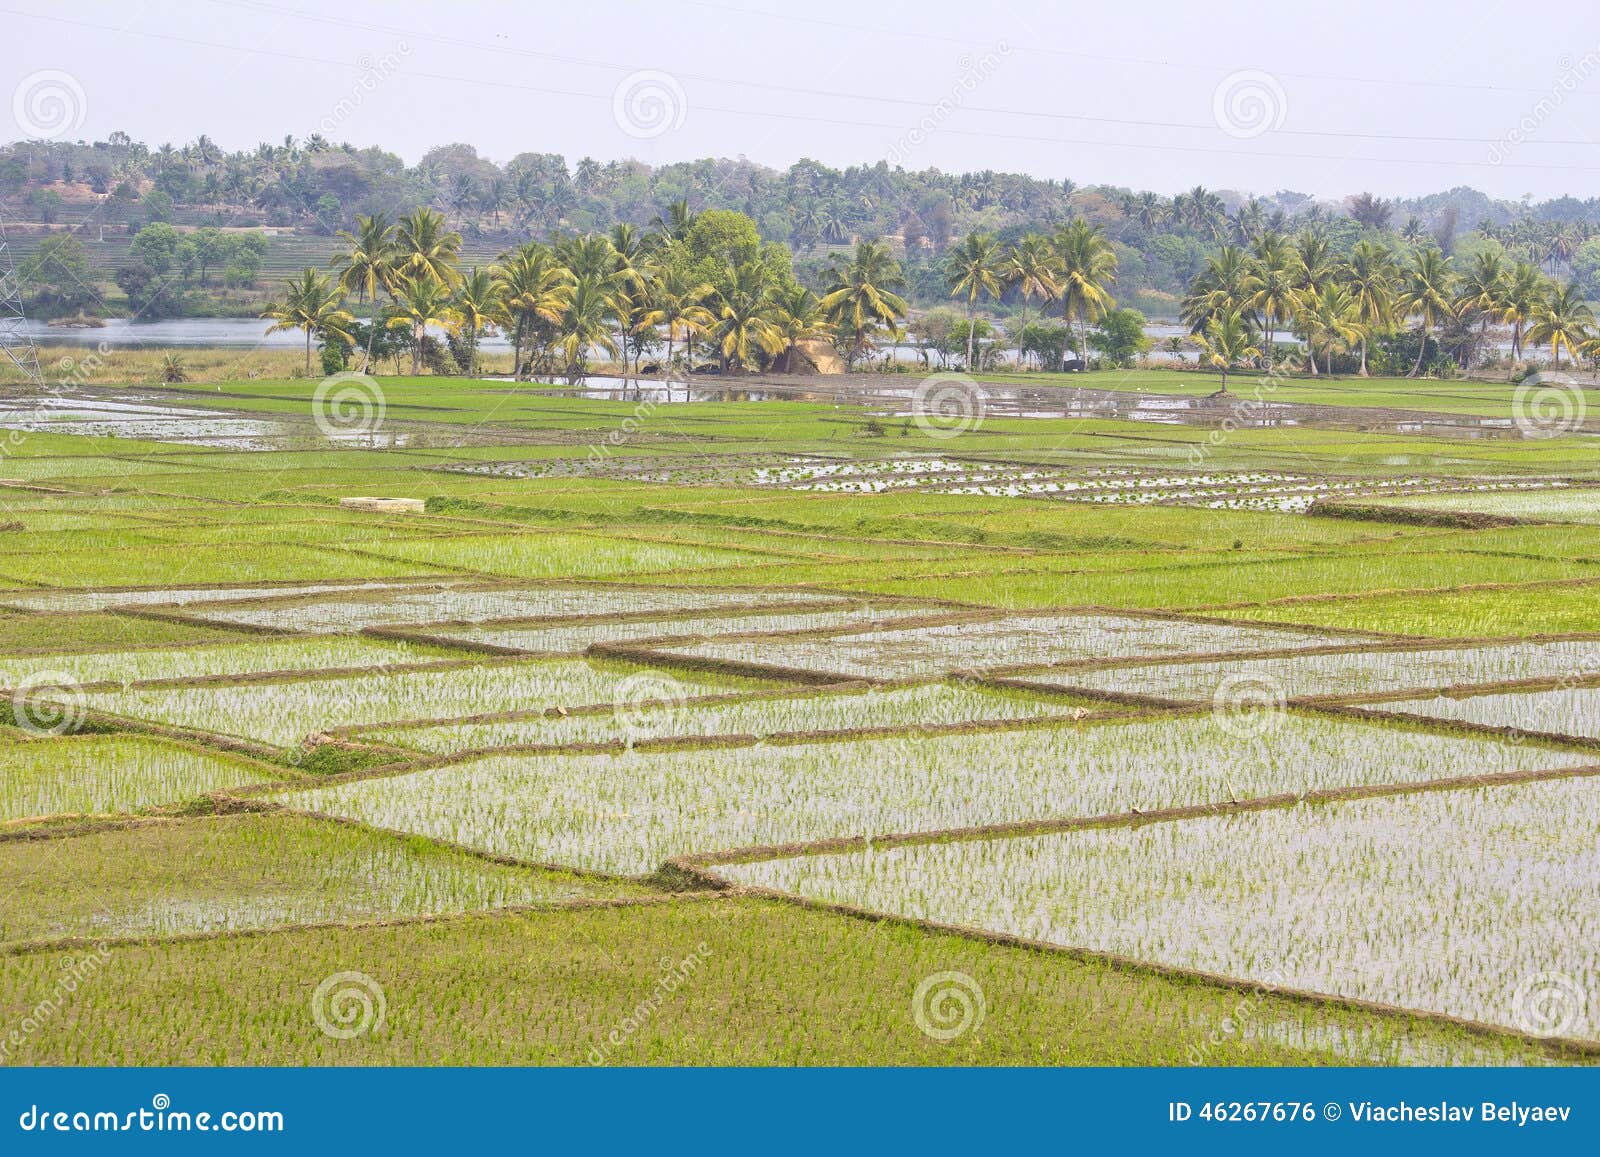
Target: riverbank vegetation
[(985, 269)]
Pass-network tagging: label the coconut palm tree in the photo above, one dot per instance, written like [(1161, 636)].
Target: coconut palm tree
[(1521, 296), (630, 273), (1331, 318), (420, 302), (535, 290), (742, 312), (973, 268), (426, 248), (675, 302), (1227, 342), (1032, 267), (1369, 276), (1272, 285), (1088, 269), (1482, 290), (586, 324), (1562, 321), (859, 294), (798, 317), (674, 224), (311, 302), (478, 304), (1220, 287), (367, 265), (1427, 292)]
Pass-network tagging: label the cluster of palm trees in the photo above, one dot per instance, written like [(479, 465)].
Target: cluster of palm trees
[(619, 295), (1246, 297), (1075, 266)]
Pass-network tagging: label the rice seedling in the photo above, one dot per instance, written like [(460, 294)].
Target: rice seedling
[(758, 716), (558, 555), (627, 813), (207, 563), (285, 713), (1477, 904), (93, 774), (20, 631), (1344, 673), (1021, 640), (233, 873), (576, 637), (416, 607), (1555, 505), (1558, 711), (1447, 614), (546, 987), (253, 657), (170, 596)]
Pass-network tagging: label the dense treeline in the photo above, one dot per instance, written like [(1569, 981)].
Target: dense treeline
[(1161, 243)]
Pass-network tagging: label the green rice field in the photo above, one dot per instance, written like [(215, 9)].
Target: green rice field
[(1125, 722)]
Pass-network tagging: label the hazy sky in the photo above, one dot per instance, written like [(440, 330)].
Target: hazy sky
[(1324, 98)]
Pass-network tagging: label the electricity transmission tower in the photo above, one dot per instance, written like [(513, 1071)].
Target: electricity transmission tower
[(14, 339)]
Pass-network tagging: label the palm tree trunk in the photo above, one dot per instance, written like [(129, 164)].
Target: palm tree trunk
[(1022, 332), (972, 306), (308, 351), (416, 351), (1421, 349), (1364, 356)]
